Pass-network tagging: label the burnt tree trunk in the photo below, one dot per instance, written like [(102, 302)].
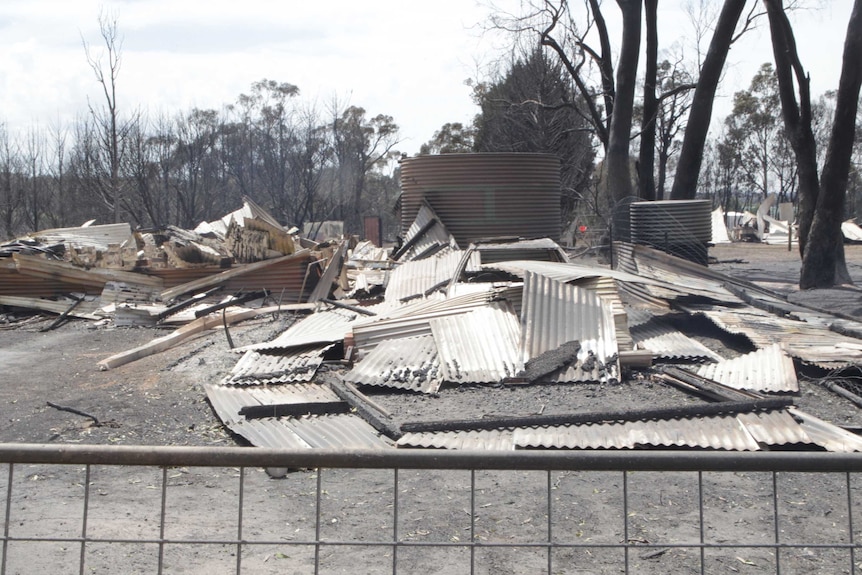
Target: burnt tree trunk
[(823, 264), (691, 156), (619, 179), (796, 115), (646, 161)]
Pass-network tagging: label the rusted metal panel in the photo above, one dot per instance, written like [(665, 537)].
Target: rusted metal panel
[(555, 313), (256, 368), (415, 278), (654, 333), (485, 195), (480, 346), (373, 229), (768, 370), (13, 283), (408, 363)]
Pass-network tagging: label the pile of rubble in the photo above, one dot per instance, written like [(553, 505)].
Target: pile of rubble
[(110, 273), (431, 316)]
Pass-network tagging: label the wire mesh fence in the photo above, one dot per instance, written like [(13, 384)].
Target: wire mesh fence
[(91, 509)]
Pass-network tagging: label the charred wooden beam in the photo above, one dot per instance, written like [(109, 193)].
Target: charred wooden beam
[(187, 303), (63, 316), (236, 300), (691, 382), (295, 409), (375, 415), (347, 306), (682, 412), (416, 237)]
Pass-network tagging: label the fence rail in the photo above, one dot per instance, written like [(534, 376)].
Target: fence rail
[(131, 509)]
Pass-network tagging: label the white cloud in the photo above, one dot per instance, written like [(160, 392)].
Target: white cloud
[(407, 60)]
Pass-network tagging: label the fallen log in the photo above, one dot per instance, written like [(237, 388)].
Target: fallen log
[(181, 334)]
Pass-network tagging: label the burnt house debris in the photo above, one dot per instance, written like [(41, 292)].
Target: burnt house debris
[(435, 316)]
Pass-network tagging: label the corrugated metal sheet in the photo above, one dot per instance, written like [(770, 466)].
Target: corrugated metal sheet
[(99, 237), (485, 195), (774, 428), (678, 277), (13, 283), (555, 313), (765, 370), (256, 368), (491, 440), (321, 327), (537, 249), (409, 363), (416, 277), (810, 343), (342, 431), (412, 319), (434, 237), (653, 333), (480, 346), (739, 432), (345, 431), (829, 436), (725, 432), (268, 432), (228, 400)]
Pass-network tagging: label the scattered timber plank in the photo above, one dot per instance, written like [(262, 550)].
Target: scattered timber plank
[(324, 284), (85, 310), (218, 279), (94, 277), (179, 335)]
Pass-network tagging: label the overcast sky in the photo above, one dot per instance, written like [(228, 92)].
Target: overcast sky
[(406, 59)]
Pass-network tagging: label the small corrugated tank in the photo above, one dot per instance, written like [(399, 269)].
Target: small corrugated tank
[(485, 195), (681, 228)]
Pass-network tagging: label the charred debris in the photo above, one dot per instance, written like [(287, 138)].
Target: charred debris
[(617, 355)]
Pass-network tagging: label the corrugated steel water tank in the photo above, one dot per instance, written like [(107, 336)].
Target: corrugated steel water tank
[(681, 228), (485, 195)]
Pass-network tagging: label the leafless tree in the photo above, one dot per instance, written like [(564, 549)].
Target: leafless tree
[(112, 131), (821, 208)]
